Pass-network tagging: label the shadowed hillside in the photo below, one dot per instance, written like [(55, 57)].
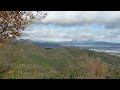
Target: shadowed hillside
[(28, 61)]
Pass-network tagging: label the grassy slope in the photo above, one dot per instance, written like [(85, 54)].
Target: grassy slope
[(35, 62)]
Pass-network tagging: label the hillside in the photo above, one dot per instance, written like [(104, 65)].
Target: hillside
[(28, 61)]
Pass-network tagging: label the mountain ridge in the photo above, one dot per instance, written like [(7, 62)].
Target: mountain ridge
[(49, 44), (24, 60)]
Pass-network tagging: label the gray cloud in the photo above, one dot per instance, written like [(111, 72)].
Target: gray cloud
[(70, 25), (59, 33), (111, 19)]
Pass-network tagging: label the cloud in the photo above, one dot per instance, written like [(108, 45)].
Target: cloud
[(52, 32), (111, 19), (76, 25)]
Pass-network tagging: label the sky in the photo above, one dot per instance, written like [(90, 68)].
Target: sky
[(76, 25)]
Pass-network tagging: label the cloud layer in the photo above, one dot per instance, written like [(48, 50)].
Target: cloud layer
[(77, 25), (111, 19)]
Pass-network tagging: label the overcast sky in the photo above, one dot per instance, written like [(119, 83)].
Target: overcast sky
[(76, 25)]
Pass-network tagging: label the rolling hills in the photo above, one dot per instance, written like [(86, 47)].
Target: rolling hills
[(28, 61)]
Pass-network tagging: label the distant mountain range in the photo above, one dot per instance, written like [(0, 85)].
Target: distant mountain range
[(89, 42), (72, 43), (42, 43)]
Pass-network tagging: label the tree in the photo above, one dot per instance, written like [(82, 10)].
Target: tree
[(13, 22)]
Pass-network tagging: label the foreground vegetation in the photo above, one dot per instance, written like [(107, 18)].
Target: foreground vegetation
[(27, 61)]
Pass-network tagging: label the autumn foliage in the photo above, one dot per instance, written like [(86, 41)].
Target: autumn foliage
[(12, 22)]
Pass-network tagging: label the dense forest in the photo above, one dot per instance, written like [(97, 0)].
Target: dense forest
[(28, 61)]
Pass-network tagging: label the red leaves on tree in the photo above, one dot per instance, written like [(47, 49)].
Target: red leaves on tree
[(12, 22)]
